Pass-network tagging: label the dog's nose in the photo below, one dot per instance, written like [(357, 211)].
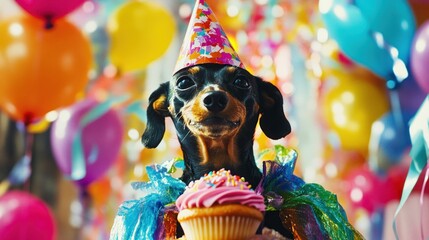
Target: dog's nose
[(215, 101)]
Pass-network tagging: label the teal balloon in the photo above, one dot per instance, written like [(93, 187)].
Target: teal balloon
[(356, 26)]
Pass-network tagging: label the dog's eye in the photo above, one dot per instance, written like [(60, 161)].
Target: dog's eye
[(242, 83), (184, 83)]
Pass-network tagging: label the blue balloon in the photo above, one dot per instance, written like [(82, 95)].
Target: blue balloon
[(366, 31), (389, 140)]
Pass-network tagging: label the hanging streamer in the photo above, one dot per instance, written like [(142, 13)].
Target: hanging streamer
[(419, 132), (78, 170), (422, 193), (137, 109)]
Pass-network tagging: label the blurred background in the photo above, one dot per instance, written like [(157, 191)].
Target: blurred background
[(75, 77)]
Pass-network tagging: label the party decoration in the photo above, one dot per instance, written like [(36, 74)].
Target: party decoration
[(140, 32), (389, 140), (49, 10), (86, 140), (286, 195), (420, 57), (317, 208), (411, 95), (409, 220), (205, 41), (143, 218), (383, 29), (363, 187), (41, 70), (232, 15), (350, 108), (24, 216), (419, 153)]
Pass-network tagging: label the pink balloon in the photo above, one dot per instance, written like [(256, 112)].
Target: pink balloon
[(101, 140), (24, 216), (364, 189), (420, 57), (49, 9)]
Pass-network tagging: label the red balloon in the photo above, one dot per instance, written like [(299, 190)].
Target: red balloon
[(24, 216)]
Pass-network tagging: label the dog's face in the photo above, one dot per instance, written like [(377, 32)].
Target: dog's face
[(215, 109), (214, 100)]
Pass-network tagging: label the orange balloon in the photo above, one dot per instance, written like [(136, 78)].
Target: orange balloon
[(231, 20), (351, 107), (100, 191), (40, 69)]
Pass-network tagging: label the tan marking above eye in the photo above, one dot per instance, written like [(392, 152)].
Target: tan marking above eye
[(194, 70), (231, 69)]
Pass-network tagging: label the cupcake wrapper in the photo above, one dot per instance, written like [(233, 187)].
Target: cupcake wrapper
[(220, 227)]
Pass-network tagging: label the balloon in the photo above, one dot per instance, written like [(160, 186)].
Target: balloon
[(389, 140), (354, 24), (41, 70), (24, 216), (100, 192), (48, 9), (140, 32), (420, 57), (101, 140), (350, 108), (364, 189), (339, 162), (231, 15), (410, 95)]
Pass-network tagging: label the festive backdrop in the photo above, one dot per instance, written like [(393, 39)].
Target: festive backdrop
[(75, 76)]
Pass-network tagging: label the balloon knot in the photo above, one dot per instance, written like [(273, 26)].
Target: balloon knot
[(49, 24), (28, 119)]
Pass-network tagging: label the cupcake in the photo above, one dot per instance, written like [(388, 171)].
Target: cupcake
[(220, 206)]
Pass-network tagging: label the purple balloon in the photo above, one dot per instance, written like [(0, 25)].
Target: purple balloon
[(101, 140), (49, 8), (24, 216), (411, 96), (420, 57)]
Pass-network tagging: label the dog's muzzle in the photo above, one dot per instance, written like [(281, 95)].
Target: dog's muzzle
[(214, 114), (215, 101)]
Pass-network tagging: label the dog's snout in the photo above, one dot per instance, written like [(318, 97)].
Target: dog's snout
[(215, 101)]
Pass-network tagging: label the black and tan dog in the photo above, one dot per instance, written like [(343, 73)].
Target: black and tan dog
[(215, 109)]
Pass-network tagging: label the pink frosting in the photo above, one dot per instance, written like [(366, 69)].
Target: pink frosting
[(219, 188)]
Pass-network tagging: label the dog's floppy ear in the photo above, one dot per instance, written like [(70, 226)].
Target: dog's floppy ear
[(273, 121), (156, 113)]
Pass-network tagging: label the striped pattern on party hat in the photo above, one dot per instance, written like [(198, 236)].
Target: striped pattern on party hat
[(205, 41)]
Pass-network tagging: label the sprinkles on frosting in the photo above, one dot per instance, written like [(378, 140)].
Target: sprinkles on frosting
[(219, 187), (220, 178)]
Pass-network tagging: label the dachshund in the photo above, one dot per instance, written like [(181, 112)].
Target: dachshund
[(215, 109)]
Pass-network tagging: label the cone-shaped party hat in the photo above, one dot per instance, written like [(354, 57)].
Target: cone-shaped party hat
[(205, 41)]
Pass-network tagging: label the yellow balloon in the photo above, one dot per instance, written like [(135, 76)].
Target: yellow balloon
[(140, 32), (351, 107)]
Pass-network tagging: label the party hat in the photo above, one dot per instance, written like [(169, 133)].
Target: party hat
[(205, 41)]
